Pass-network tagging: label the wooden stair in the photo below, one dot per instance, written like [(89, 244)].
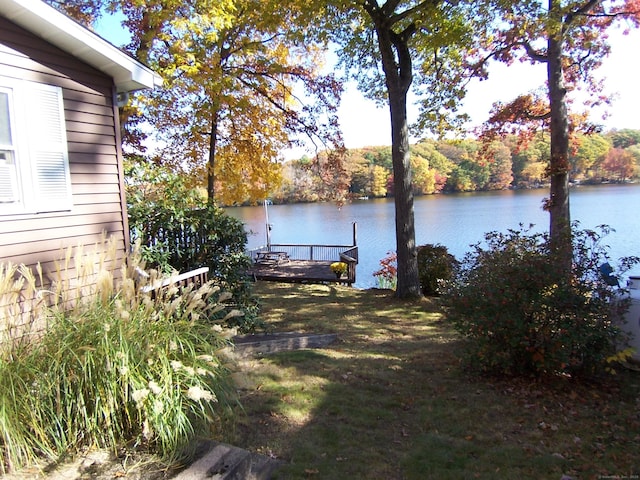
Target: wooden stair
[(226, 462)]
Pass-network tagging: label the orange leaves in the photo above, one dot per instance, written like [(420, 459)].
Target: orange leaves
[(522, 117), (570, 38), (619, 164), (630, 9), (525, 107)]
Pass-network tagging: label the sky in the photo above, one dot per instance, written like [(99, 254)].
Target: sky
[(365, 124)]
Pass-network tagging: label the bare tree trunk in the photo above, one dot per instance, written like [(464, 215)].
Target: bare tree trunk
[(398, 74), (558, 204), (408, 279)]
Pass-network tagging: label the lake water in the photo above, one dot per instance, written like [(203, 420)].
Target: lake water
[(453, 220)]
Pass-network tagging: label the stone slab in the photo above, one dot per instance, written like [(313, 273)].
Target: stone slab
[(263, 344)]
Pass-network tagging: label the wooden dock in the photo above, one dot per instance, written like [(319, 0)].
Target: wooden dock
[(306, 263), (297, 271)]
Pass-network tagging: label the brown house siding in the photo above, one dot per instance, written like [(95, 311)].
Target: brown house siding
[(94, 155)]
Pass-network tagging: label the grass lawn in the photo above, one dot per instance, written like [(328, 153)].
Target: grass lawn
[(389, 400)]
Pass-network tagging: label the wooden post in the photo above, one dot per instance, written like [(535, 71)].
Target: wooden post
[(267, 225), (355, 234), (352, 276)]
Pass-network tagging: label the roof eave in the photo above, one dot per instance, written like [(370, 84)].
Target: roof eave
[(58, 29)]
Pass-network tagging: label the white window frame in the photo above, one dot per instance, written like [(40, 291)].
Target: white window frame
[(8, 170), (37, 162)]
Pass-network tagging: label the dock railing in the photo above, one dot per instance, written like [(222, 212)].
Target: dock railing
[(350, 257), (315, 253)]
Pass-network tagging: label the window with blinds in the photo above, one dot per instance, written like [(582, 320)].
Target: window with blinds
[(34, 164), (8, 177)]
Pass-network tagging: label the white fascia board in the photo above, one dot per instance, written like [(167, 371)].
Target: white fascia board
[(58, 29)]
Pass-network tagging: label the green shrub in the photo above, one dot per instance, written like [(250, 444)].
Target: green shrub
[(521, 317), (116, 366), (436, 266), (177, 229)]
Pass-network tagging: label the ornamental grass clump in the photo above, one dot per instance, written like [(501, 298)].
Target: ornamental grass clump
[(119, 366), (521, 317)]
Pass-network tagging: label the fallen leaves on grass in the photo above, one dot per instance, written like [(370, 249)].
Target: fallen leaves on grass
[(429, 415)]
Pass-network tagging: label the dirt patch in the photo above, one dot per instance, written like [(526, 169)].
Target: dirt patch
[(99, 465)]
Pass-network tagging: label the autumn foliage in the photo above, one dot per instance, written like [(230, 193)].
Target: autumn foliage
[(447, 166)]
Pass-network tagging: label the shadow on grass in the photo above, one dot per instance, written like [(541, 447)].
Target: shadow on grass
[(390, 401)]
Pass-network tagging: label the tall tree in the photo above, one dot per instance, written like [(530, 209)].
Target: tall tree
[(389, 47), (568, 36), (241, 86), (619, 164), (500, 167)]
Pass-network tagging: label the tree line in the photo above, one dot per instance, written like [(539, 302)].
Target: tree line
[(448, 166)]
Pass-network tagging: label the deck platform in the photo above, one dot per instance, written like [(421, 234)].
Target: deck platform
[(297, 271)]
